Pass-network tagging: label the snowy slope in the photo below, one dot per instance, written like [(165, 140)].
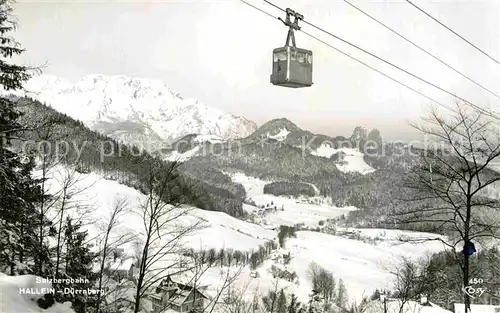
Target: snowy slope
[(351, 159), (208, 138), (362, 266), (294, 210), (139, 111), (218, 229), (281, 135), (176, 156), (15, 299), (191, 147)]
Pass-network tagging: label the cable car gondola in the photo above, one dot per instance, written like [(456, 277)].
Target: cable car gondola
[(292, 66)]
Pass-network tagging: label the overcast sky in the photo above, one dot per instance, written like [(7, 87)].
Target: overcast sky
[(220, 53)]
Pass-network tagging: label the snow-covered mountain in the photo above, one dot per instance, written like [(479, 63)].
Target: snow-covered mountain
[(143, 112)]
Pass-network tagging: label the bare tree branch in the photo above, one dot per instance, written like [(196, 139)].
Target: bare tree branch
[(449, 186)]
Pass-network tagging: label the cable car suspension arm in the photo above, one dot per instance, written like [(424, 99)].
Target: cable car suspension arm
[(291, 25)]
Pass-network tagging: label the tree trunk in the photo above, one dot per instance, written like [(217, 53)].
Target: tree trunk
[(466, 283), (42, 213), (466, 240), (21, 251), (101, 270), (58, 247), (142, 269)]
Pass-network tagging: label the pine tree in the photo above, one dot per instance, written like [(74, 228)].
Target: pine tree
[(78, 265), (19, 193), (314, 303), (29, 222), (269, 301), (281, 305), (294, 306), (341, 299)]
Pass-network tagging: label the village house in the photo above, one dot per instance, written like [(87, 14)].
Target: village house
[(177, 297), (123, 269)]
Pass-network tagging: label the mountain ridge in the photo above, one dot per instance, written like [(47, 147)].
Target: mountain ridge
[(147, 114), (139, 111), (150, 115)]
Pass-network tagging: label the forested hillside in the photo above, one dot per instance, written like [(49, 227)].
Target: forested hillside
[(272, 160), (91, 151), (441, 278), (295, 136), (398, 157), (284, 188), (281, 162)]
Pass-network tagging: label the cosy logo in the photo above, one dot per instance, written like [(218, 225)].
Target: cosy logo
[(473, 290)]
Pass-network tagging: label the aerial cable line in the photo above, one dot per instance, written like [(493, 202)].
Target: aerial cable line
[(376, 70), (422, 49), (394, 65), (258, 9), (454, 32), (370, 67), (357, 60)]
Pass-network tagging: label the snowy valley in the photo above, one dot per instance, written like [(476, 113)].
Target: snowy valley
[(242, 212), (363, 266)]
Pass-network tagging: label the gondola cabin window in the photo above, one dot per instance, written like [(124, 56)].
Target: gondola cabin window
[(280, 56), (299, 57)]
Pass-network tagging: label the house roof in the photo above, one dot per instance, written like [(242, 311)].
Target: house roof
[(122, 265), (182, 292), (181, 296), (155, 296), (477, 308)]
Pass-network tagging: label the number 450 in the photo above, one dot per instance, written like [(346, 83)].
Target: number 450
[(473, 281)]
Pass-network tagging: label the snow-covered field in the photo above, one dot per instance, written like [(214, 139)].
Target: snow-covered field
[(362, 266), (294, 213), (352, 159), (395, 235), (99, 195)]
